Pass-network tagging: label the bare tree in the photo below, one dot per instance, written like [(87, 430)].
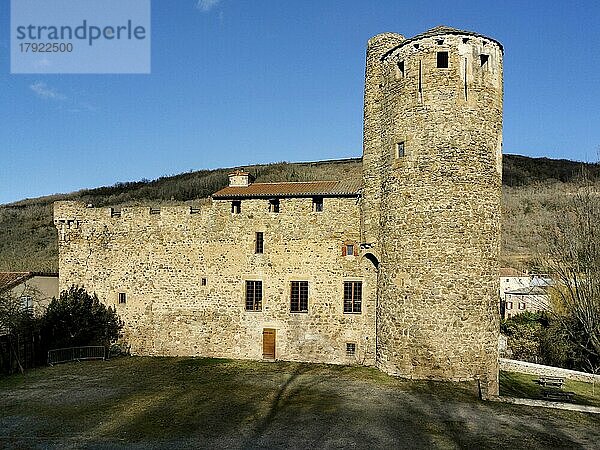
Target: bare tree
[(572, 257)]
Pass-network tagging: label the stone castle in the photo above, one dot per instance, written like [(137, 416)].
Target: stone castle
[(399, 270)]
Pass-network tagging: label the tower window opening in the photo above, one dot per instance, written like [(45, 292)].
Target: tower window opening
[(440, 42), (401, 68), (399, 150), (442, 60), (416, 46), (465, 40), (483, 59)]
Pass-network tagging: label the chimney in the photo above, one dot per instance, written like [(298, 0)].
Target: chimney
[(240, 178)]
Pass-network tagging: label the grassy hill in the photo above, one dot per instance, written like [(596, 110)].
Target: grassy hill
[(533, 189)]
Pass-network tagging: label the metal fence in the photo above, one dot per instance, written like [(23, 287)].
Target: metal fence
[(62, 355)]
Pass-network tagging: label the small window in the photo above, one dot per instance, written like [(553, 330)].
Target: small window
[(442, 60), (352, 296), (509, 305), (350, 349), (154, 211), (122, 298), (203, 282), (236, 207), (259, 242), (399, 150), (483, 59), (348, 250), (318, 204), (401, 68), (299, 296), (253, 295), (274, 205), (27, 303), (115, 212), (521, 305)]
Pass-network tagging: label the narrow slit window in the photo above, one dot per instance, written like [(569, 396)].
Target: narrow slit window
[(442, 60), (259, 242), (203, 282), (420, 79), (399, 150), (466, 89), (274, 205), (236, 207), (122, 298), (483, 59)]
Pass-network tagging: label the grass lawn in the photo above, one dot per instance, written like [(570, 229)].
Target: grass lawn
[(214, 403), (514, 384)]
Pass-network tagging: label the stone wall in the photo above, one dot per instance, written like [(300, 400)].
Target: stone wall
[(440, 154), (159, 260), (512, 365)]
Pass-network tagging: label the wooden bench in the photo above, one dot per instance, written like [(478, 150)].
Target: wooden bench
[(551, 381), (561, 396)]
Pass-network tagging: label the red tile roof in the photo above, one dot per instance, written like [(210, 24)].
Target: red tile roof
[(345, 188), (9, 280)]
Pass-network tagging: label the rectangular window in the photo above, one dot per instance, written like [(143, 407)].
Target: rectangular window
[(27, 303), (348, 250), (508, 305), (274, 205), (350, 349), (154, 210), (401, 68), (236, 207), (299, 296), (483, 59), (259, 242), (253, 295), (122, 298), (203, 282), (399, 150), (115, 212), (352, 296), (318, 204), (442, 60), (521, 305)]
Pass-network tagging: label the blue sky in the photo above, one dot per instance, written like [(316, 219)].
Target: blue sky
[(236, 82)]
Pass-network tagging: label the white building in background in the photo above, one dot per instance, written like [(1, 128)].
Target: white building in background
[(521, 292)]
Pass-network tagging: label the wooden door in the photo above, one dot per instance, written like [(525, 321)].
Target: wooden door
[(268, 343)]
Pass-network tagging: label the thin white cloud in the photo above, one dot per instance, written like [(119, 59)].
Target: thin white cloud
[(42, 90), (207, 5)]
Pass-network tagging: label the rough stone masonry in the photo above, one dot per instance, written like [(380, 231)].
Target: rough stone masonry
[(397, 270)]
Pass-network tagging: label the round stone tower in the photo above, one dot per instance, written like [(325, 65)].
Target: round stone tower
[(431, 201)]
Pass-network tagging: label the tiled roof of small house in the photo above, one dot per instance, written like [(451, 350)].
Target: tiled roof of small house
[(9, 280), (345, 188)]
